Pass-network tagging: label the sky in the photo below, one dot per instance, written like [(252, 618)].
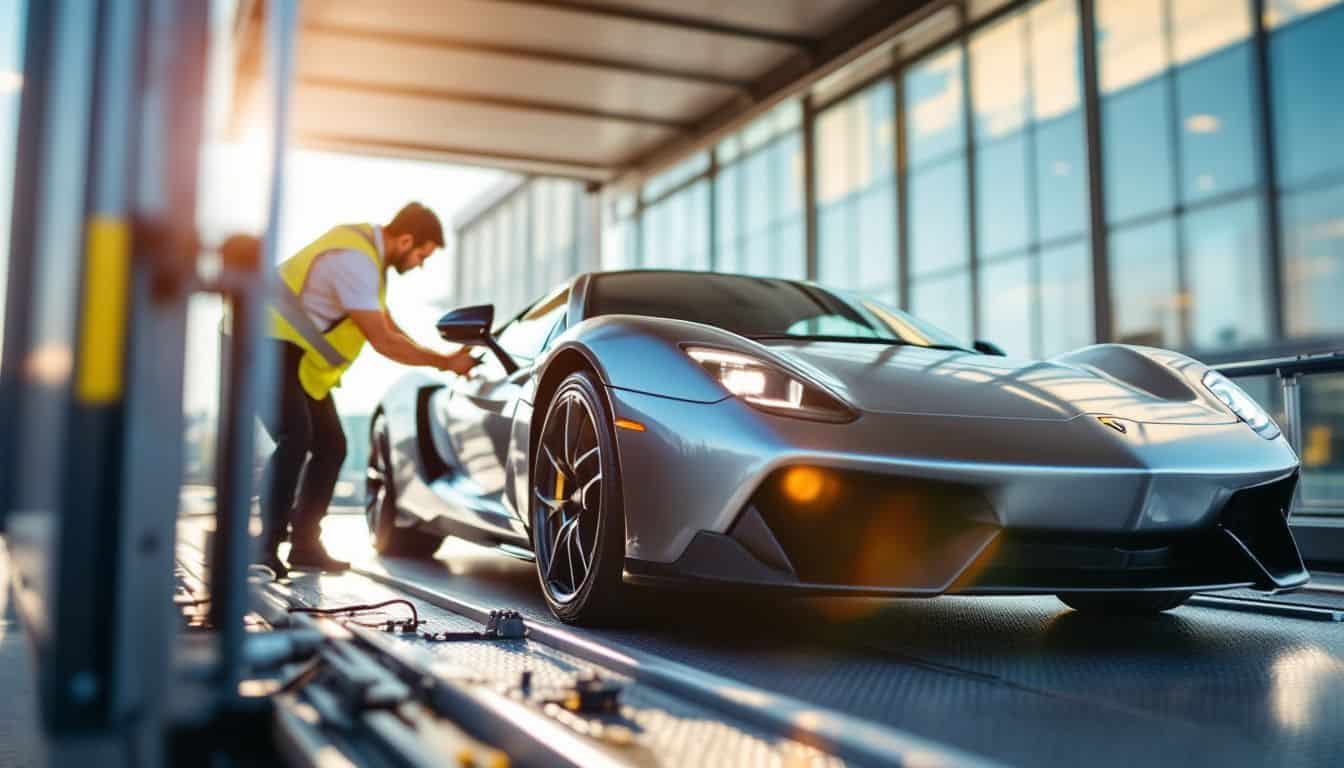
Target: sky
[(322, 189)]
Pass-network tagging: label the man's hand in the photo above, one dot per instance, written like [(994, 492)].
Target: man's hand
[(460, 362), (391, 342)]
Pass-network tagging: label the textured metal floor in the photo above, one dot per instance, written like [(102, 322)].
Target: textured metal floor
[(20, 745), (664, 730), (1023, 680)]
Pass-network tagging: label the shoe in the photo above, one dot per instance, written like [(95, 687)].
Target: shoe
[(273, 563), (314, 556)]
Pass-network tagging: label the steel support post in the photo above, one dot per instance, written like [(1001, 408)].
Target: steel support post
[(248, 382), (28, 183), (106, 180), (1292, 409), (1269, 172), (161, 45), (1103, 323), (811, 265)]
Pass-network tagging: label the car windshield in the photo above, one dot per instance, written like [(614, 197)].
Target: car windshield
[(761, 308)]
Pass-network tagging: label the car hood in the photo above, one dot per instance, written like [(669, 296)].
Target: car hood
[(880, 378)]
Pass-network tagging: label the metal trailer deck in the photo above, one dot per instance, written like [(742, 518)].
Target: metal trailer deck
[(1021, 681)]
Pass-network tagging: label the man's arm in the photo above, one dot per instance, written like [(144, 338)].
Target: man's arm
[(393, 343)]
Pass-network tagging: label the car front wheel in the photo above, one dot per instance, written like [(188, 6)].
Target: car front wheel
[(578, 520)]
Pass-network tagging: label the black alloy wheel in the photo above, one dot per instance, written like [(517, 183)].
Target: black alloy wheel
[(578, 522), (380, 502)]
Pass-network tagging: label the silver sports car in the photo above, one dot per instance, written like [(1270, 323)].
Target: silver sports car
[(688, 428)]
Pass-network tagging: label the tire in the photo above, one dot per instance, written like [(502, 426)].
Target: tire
[(599, 593), (1124, 603), (380, 503)]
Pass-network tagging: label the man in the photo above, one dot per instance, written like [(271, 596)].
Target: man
[(329, 301)]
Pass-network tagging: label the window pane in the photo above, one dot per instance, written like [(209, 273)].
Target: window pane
[(856, 208), (760, 209), (676, 175), (1225, 272), (933, 104), (1005, 305), (676, 230), (1066, 299), (1306, 70), (999, 79), (838, 253), (877, 128), (1001, 196), (938, 217), (725, 199), (1138, 158), (835, 149), (1131, 45), (1313, 262), (786, 177), (876, 254), (1217, 129), (1061, 178), (1322, 440), (755, 253), (755, 192), (944, 301), (1204, 27), (618, 245), (1145, 294), (1280, 12), (1055, 58), (782, 119), (786, 249)]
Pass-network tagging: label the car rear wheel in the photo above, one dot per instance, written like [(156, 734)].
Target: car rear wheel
[(578, 520), (380, 503), (1124, 603)]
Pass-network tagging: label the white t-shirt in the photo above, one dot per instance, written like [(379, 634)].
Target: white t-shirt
[(339, 282)]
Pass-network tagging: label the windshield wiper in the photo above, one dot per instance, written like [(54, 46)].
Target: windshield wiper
[(855, 339)]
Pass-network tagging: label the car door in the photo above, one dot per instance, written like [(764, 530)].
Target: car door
[(480, 412)]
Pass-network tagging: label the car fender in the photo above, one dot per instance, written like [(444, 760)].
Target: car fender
[(401, 407)]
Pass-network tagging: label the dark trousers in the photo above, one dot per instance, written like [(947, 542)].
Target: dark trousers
[(309, 447)]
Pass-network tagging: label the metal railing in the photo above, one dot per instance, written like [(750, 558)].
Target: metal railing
[(1289, 371)]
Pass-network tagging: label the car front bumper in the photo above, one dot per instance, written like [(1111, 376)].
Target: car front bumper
[(924, 504)]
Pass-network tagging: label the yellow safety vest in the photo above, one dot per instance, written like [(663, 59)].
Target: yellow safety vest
[(327, 353)]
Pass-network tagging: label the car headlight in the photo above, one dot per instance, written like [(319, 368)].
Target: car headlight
[(1240, 403), (768, 387)]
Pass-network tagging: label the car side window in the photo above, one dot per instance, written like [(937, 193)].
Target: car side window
[(524, 337)]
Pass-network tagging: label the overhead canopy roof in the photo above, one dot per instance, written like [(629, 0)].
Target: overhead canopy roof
[(589, 89)]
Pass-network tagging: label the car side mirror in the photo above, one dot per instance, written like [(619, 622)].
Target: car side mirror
[(471, 326), (989, 348), (468, 325)]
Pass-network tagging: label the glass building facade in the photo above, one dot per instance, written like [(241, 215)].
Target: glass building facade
[(1051, 174), (523, 243)]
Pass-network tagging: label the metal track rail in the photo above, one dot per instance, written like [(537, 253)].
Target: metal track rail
[(1270, 607), (849, 738), (527, 736)]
